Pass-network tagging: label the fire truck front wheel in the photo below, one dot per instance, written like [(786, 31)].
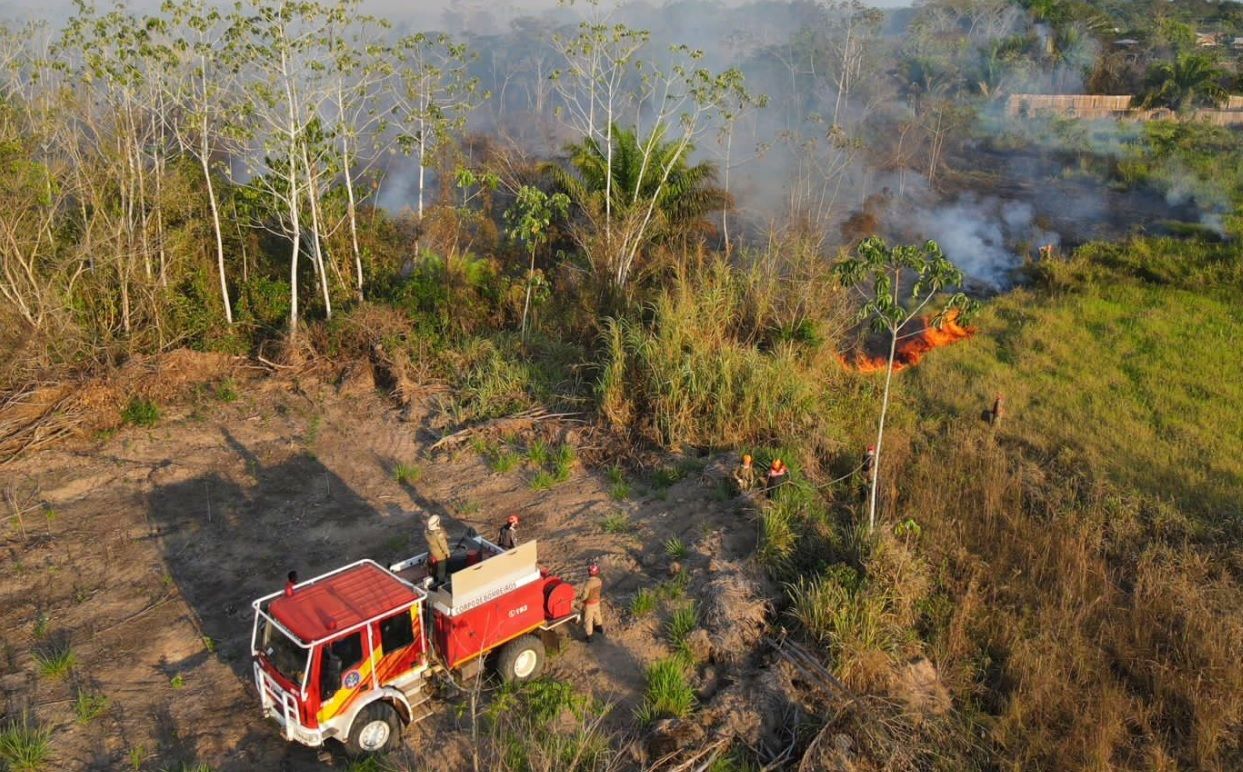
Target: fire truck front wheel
[(376, 729), (521, 660)]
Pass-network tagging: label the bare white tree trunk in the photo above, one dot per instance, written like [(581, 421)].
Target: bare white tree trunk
[(317, 251), (347, 164), (204, 155), (880, 431), (297, 240)]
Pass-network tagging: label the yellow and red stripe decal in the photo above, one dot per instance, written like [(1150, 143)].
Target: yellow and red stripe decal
[(345, 697)]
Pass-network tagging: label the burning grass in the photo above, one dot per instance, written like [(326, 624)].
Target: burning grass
[(912, 349)]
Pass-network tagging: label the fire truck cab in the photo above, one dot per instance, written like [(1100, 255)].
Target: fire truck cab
[(348, 655)]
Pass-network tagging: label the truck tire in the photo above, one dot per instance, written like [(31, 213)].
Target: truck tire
[(376, 729), (521, 660)]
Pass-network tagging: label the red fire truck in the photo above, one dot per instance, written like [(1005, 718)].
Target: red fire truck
[(348, 655)]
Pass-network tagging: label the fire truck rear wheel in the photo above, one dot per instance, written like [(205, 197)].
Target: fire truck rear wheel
[(521, 660), (376, 729)]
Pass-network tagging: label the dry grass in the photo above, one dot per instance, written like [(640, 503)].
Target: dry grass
[(35, 416), (1098, 640)]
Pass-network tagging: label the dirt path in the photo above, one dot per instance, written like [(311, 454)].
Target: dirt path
[(153, 542)]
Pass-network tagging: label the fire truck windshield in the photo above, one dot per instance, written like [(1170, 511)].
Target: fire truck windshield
[(286, 656)]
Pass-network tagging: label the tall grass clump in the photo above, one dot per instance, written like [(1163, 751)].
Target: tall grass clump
[(538, 453), (498, 376), (644, 602), (503, 460), (711, 367), (407, 474), (25, 746), (682, 622), (543, 480), (55, 660), (616, 523), (88, 706), (669, 692), (619, 487), (140, 412), (850, 618), (545, 724), (562, 460)]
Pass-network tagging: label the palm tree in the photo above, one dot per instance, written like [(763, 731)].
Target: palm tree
[(684, 197), (1191, 80)]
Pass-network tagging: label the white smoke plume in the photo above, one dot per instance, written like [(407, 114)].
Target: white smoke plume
[(985, 236)]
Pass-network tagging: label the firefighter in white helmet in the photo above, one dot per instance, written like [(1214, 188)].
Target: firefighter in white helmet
[(589, 594), (437, 548)]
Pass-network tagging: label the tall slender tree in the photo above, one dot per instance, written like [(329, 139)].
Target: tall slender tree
[(530, 220), (877, 272), (596, 84), (435, 96), (363, 73), (283, 44), (204, 87)]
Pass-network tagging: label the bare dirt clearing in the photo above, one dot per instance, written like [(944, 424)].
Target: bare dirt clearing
[(142, 551)]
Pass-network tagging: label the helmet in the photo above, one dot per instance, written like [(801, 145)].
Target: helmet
[(777, 463), (593, 570), (512, 520), (433, 523), (746, 458)]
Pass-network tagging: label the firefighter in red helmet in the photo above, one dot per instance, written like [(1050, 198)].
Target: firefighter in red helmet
[(589, 594), (508, 538)]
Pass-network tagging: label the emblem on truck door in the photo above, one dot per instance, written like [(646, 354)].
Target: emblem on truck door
[(351, 679)]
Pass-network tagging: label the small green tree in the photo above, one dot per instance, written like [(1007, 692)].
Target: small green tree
[(529, 220), (885, 268)]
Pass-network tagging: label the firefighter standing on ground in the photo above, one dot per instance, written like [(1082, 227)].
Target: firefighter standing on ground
[(437, 548), (509, 534), (998, 412), (869, 471), (589, 594), (778, 473), (744, 475)]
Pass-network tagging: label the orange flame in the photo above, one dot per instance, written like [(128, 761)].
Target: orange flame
[(911, 350)]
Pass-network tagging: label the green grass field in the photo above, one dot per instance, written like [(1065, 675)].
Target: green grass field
[(1139, 379)]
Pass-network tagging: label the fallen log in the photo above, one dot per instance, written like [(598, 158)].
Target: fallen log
[(505, 424)]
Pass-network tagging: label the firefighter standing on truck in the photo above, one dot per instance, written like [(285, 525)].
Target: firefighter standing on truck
[(589, 594), (508, 538), (437, 548)]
